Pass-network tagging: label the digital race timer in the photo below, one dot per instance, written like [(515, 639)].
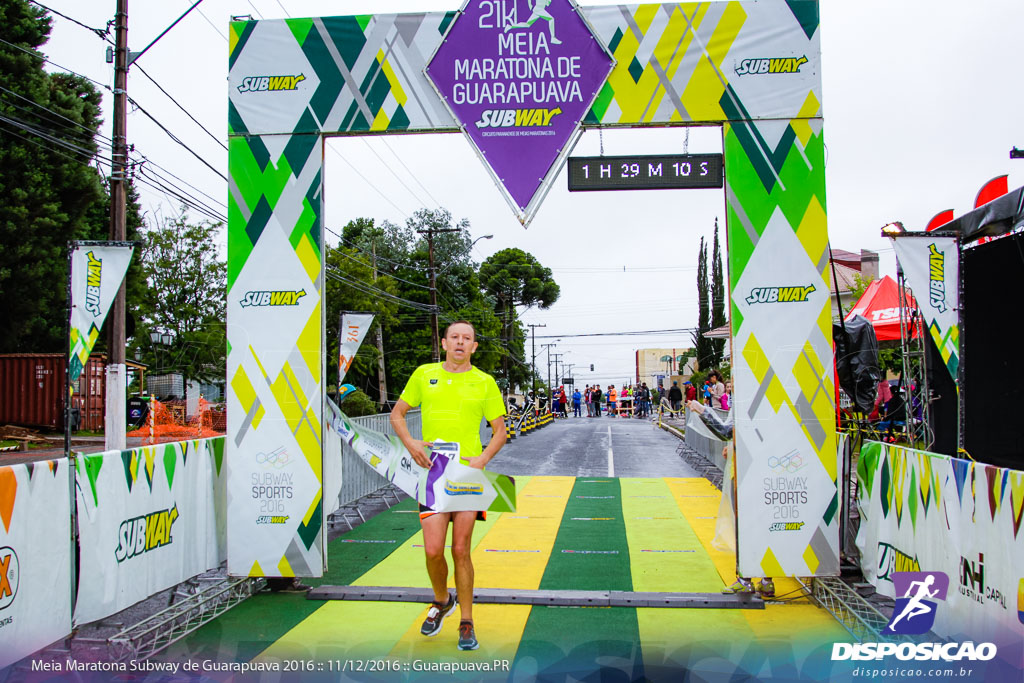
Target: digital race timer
[(662, 172)]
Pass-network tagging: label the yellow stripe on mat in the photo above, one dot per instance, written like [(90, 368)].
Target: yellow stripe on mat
[(347, 629), (666, 555), (797, 622), (499, 628)]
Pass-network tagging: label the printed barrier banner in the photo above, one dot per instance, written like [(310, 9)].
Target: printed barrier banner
[(926, 512), (448, 486), (350, 335), (96, 274), (35, 559), (931, 265), (148, 518)]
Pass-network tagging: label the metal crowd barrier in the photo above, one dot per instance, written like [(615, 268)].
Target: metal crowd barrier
[(710, 448), (359, 479)]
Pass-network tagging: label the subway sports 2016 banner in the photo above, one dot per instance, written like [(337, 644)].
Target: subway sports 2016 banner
[(448, 486), (35, 557), (96, 274), (922, 511), (931, 265), (149, 518), (752, 67)]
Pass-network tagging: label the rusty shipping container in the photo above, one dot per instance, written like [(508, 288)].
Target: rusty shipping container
[(32, 390)]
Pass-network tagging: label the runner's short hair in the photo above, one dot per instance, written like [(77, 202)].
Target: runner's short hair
[(459, 322)]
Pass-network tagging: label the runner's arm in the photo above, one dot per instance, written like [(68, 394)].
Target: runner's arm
[(417, 447), (493, 446)]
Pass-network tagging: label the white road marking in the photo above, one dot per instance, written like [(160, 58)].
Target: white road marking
[(611, 458)]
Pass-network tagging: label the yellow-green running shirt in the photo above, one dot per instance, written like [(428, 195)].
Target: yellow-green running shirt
[(452, 404)]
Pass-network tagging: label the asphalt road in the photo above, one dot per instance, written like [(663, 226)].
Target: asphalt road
[(594, 447)]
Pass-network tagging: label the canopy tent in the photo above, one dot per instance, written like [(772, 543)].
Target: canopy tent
[(997, 217), (880, 304)]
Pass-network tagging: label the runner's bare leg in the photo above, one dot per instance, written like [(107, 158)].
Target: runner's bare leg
[(462, 544), (435, 532)]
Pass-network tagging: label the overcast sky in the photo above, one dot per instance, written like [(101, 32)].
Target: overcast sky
[(922, 105)]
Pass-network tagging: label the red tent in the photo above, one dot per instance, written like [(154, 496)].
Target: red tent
[(880, 304)]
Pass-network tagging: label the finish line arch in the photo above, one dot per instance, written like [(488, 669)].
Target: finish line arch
[(752, 67)]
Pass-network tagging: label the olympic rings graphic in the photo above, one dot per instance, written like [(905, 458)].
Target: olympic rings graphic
[(277, 458), (791, 462)]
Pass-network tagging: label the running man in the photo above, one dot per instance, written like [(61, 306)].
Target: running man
[(453, 395), (539, 10), (914, 606)]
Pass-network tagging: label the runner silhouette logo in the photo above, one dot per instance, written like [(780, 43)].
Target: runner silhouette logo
[(917, 593)]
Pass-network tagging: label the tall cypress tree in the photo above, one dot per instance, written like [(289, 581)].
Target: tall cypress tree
[(717, 299), (701, 343)]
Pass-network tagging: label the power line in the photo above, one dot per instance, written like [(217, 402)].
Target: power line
[(366, 180), (619, 334), (102, 33), (182, 108), (38, 55), (392, 172), (55, 113), (177, 139)]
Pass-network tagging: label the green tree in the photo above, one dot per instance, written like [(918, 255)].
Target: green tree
[(47, 139), (860, 285), (717, 299), (702, 344), (515, 278), (402, 256), (352, 286), (185, 299)]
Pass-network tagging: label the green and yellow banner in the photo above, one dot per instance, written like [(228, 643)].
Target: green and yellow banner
[(97, 270)]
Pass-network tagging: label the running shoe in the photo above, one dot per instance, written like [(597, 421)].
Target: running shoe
[(767, 588), (741, 586), (467, 636), (435, 616)]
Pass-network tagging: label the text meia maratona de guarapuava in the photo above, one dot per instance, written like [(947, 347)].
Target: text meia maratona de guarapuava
[(522, 74)]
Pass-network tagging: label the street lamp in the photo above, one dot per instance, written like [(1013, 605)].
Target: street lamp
[(159, 339), (484, 237)]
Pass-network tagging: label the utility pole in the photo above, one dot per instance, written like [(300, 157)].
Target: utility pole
[(382, 382), (114, 422), (435, 333), (533, 359), (557, 356)]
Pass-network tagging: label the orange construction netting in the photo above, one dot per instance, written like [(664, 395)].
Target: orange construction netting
[(167, 422)]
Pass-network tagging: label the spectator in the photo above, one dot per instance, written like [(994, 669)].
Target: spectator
[(586, 399), (577, 399), (597, 400), (717, 388), (611, 400), (675, 397), (725, 400), (691, 391)]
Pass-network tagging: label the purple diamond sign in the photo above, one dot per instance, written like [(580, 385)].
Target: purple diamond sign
[(519, 76)]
